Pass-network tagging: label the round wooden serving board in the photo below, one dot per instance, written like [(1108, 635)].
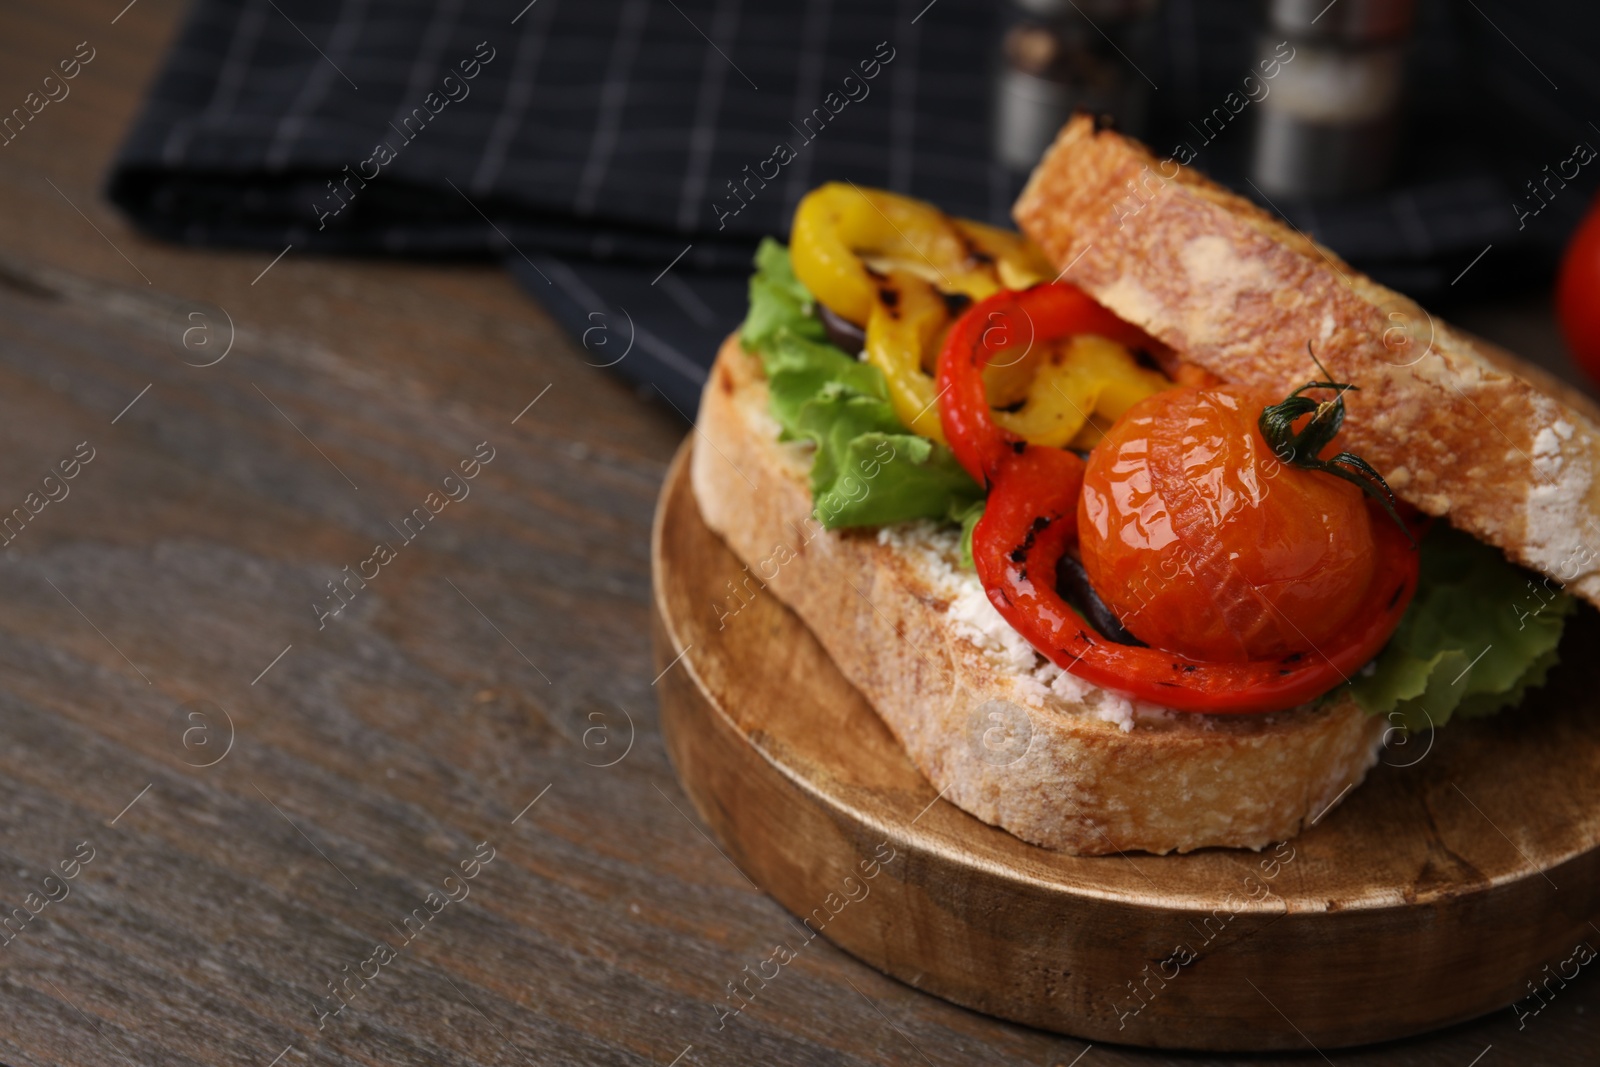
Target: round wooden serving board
[(1435, 892)]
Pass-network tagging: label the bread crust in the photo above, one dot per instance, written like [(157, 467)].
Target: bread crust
[(1082, 784), (1459, 427)]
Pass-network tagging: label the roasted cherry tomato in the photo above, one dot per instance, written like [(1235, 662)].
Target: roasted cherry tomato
[(1030, 521), (1204, 543)]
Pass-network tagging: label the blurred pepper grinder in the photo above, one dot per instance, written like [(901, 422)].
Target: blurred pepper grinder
[(1330, 125), (1057, 56)]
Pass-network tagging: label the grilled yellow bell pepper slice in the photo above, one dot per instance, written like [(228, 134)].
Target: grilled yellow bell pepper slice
[(1078, 389), (884, 261), (1018, 262), (904, 270), (908, 321), (845, 238)]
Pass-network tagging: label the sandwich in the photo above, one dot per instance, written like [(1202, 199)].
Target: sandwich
[(1148, 526)]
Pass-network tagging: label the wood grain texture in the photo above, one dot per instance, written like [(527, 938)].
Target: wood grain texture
[(1406, 909), (384, 748)]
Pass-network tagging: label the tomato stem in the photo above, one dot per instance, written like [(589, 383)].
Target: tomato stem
[(1303, 448)]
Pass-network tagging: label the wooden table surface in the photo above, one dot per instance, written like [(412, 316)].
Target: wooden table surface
[(249, 799)]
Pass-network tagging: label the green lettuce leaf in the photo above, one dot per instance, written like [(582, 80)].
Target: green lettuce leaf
[(778, 301), (1478, 635), (800, 370), (968, 518), (868, 469)]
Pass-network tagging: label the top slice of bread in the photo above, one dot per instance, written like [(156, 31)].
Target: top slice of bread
[(1457, 426)]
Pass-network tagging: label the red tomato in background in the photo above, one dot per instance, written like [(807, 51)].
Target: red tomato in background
[(1578, 294)]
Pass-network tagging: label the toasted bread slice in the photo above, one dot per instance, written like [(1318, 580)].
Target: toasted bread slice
[(1458, 427), (998, 730)]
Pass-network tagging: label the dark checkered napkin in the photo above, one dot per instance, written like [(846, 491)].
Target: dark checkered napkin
[(608, 130)]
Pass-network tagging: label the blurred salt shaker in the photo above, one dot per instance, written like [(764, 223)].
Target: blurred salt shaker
[(1330, 125), (1058, 56)]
